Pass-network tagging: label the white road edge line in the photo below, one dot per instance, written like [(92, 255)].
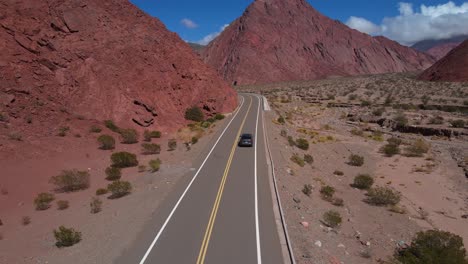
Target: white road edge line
[(188, 187), (257, 231)]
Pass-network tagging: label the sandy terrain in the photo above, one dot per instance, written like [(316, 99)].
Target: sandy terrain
[(433, 187), (27, 166)]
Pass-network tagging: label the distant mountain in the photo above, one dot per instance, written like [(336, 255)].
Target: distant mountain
[(197, 47), (453, 67), (283, 40), (440, 47)]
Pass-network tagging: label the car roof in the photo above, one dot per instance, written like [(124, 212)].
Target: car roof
[(246, 135)]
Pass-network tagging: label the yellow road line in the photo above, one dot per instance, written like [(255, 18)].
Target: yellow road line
[(214, 211)]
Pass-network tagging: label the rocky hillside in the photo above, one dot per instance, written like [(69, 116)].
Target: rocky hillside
[(441, 47), (100, 60), (452, 68), (282, 40)]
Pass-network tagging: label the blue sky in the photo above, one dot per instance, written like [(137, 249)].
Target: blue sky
[(195, 20)]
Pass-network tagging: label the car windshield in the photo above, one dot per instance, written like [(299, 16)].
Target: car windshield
[(246, 136)]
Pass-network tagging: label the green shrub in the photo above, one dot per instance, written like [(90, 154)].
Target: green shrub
[(110, 125), (219, 116), (308, 158), (363, 181), (194, 140), (417, 149), (332, 218), (394, 141), (298, 160), (113, 173), (382, 196), (291, 141), (194, 114), (95, 205), (281, 120), (400, 119), (307, 189), (63, 131), (119, 189), (155, 165), (66, 237), (148, 135), (62, 204), (172, 144), (101, 191), (327, 192), (459, 123), (433, 247), (365, 103), (302, 143), (390, 150), (377, 136), (71, 180), (124, 160), (95, 129), (150, 149), (356, 160), (106, 142), (129, 136), (43, 200), (211, 120)]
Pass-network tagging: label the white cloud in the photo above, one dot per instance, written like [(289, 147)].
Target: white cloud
[(412, 25), (363, 25), (188, 23), (208, 38)]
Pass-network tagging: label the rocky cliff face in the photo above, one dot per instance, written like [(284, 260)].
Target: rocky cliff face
[(438, 48), (101, 60), (452, 68), (282, 40), (441, 50)]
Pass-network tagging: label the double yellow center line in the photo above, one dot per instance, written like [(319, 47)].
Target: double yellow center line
[(214, 211)]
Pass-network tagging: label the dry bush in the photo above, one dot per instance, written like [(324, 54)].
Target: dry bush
[(155, 165), (124, 160), (417, 149), (327, 192), (194, 114), (101, 191), (25, 220), (113, 173), (95, 205), (43, 200), (356, 160), (332, 218), (383, 196), (129, 136), (363, 181), (62, 204), (106, 142), (66, 237), (71, 181), (307, 189), (298, 160), (119, 189), (172, 144), (150, 149)]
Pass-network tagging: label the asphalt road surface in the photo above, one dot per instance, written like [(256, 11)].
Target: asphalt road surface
[(223, 211)]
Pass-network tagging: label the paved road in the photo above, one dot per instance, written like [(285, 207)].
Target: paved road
[(223, 213)]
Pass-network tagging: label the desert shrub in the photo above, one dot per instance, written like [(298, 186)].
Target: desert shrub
[(378, 111), (433, 247), (101, 191), (149, 148), (62, 204), (172, 144), (129, 136), (194, 140), (283, 133), (71, 180), (106, 142), (43, 200), (291, 141), (219, 116), (437, 120), (194, 114), (397, 209), (377, 136), (3, 117), (459, 123), (66, 237), (308, 158), (302, 143), (352, 97), (298, 160), (148, 135), (25, 220), (205, 124), (124, 160), (307, 189), (155, 165), (141, 168), (365, 103), (382, 196), (394, 141), (332, 218), (110, 125), (338, 173), (95, 205), (337, 201), (357, 132), (417, 149), (113, 173), (363, 181), (95, 129), (356, 160), (327, 192), (211, 120), (390, 150), (63, 131), (281, 120), (119, 189), (15, 136), (400, 119)]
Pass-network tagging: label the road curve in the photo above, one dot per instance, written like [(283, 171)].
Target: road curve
[(223, 213)]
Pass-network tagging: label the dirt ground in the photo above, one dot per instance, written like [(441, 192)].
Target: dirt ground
[(433, 187), (27, 166)]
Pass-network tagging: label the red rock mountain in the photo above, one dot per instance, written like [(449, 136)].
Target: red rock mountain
[(438, 48), (452, 68), (282, 40), (101, 59)]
